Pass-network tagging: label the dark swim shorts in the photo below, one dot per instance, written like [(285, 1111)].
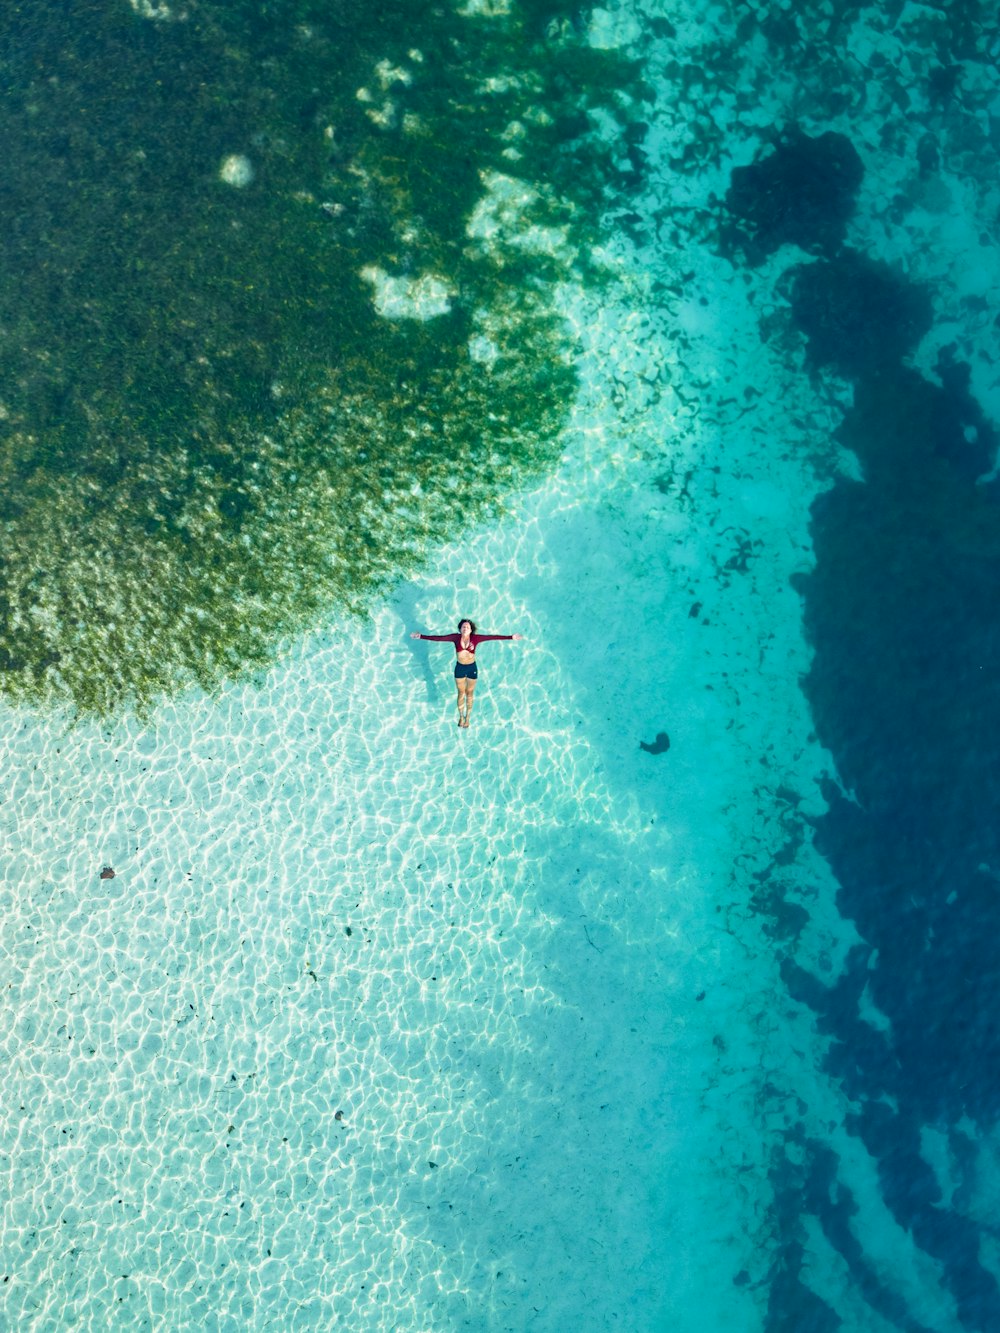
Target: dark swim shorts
[(466, 670)]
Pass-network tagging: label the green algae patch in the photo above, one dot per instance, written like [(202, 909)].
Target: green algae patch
[(275, 316)]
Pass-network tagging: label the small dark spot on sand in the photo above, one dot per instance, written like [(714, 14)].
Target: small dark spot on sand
[(659, 746), (348, 930), (700, 996)]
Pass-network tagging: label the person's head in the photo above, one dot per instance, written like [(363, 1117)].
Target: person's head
[(466, 624)]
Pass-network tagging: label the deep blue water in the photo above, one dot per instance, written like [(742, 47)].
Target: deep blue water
[(902, 612)]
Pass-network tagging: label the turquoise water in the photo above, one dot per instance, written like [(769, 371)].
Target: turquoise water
[(661, 997)]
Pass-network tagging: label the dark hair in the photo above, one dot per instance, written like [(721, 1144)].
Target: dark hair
[(462, 622)]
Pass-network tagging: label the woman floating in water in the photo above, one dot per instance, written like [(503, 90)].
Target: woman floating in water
[(466, 642)]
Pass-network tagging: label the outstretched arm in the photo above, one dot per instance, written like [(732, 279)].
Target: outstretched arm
[(434, 638), (482, 638)]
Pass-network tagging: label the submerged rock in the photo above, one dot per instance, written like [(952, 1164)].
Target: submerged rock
[(236, 170), (802, 193), (858, 313)]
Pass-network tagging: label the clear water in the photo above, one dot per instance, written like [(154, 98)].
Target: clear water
[(662, 997)]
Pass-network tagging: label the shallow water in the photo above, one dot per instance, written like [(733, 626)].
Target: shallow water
[(332, 330)]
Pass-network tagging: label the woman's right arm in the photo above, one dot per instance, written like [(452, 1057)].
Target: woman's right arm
[(434, 638)]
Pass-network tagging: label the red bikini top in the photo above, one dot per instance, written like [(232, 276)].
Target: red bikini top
[(474, 640)]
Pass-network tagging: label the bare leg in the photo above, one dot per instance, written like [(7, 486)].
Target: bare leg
[(462, 684), (470, 689)]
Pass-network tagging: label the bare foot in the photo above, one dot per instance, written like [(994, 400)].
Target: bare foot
[(465, 723)]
